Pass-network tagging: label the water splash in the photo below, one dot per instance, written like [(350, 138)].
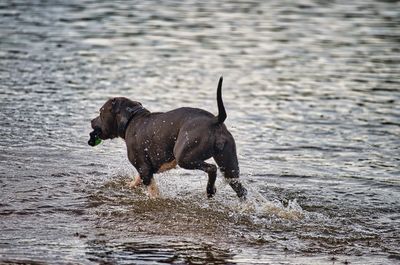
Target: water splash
[(258, 206), (180, 185)]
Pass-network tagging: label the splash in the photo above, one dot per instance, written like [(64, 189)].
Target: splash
[(190, 188), (260, 207)]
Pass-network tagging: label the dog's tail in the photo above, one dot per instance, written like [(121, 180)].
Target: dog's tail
[(221, 109)]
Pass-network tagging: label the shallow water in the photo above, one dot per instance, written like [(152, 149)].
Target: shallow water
[(312, 94)]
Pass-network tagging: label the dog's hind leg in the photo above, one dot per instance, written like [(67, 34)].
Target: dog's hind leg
[(210, 169), (191, 155), (185, 160), (228, 163)]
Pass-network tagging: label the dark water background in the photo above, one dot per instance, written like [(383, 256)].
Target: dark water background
[(312, 95)]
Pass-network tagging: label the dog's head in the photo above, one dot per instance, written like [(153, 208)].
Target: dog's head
[(114, 117)]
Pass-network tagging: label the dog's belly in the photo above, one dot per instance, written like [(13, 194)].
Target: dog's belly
[(167, 166)]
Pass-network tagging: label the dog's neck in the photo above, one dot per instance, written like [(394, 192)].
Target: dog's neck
[(130, 114)]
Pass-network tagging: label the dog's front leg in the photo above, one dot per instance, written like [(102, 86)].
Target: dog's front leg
[(148, 180), (135, 183), (152, 189)]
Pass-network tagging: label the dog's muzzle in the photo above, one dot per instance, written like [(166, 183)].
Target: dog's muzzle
[(95, 137)]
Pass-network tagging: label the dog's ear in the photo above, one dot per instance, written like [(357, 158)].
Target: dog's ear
[(115, 106)]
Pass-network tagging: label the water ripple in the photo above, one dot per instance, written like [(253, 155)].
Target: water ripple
[(311, 92)]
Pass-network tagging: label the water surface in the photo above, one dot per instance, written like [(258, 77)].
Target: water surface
[(312, 95)]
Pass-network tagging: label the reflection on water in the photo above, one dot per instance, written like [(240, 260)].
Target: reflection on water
[(311, 91), (182, 252)]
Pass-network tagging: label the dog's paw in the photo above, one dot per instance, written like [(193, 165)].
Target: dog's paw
[(134, 183), (211, 192), (242, 194), (152, 190)]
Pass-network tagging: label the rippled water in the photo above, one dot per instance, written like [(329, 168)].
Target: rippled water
[(312, 95)]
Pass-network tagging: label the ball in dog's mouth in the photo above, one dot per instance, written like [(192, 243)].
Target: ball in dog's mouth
[(94, 137)]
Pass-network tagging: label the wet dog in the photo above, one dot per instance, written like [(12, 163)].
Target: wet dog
[(158, 141)]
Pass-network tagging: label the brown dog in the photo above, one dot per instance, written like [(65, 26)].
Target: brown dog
[(158, 141)]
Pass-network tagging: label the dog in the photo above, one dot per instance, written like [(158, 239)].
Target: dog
[(159, 141)]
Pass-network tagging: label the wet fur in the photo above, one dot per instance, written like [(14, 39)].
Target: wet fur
[(158, 141)]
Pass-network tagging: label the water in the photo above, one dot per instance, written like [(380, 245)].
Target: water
[(311, 90)]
